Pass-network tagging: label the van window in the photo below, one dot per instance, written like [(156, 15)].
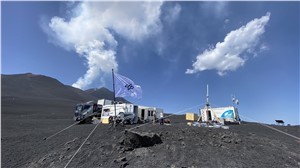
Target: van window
[(79, 107), (86, 107)]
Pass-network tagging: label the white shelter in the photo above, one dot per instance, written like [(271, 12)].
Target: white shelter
[(221, 114)]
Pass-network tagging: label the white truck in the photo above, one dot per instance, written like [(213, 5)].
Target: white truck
[(104, 102), (125, 113), (130, 113)]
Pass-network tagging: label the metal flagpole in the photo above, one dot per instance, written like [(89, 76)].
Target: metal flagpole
[(113, 76)]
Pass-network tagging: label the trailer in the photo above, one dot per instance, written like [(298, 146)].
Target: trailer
[(147, 114)]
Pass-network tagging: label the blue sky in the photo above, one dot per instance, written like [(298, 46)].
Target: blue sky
[(171, 49)]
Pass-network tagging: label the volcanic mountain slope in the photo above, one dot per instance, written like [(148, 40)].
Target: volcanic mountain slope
[(39, 95), (30, 106), (39, 86), (43, 87)]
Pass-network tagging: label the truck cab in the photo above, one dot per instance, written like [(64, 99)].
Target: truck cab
[(84, 110)]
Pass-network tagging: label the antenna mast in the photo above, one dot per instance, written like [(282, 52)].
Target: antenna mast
[(207, 96)]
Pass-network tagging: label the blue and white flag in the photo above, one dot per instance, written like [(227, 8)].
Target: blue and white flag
[(126, 87)]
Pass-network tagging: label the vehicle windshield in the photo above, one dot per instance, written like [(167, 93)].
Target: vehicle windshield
[(79, 107), (86, 107)]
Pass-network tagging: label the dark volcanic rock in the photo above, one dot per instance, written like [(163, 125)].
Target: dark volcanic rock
[(136, 140), (122, 159), (124, 165)]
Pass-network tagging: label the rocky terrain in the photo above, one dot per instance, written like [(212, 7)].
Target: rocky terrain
[(35, 107)]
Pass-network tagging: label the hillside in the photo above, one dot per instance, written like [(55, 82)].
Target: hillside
[(43, 87), (40, 87), (39, 96)]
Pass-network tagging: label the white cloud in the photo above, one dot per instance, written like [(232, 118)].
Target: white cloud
[(90, 32), (132, 20), (227, 55)]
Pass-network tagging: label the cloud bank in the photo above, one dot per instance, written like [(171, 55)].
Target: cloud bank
[(91, 28), (228, 55)]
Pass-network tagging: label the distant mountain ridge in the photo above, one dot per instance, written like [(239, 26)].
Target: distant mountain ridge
[(104, 93), (30, 85)]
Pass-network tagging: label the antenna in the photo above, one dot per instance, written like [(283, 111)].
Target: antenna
[(234, 100), (207, 96)]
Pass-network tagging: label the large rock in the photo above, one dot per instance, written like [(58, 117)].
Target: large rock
[(137, 140)]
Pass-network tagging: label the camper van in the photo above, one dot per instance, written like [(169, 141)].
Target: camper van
[(126, 112)]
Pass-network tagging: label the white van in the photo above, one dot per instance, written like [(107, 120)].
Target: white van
[(126, 112)]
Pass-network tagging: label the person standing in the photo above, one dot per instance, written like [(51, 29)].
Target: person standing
[(161, 118), (154, 117)]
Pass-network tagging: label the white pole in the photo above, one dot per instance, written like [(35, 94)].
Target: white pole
[(207, 95), (113, 75)]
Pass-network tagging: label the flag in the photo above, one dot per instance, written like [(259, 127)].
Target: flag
[(126, 87)]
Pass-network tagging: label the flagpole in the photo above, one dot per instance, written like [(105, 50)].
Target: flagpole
[(113, 76)]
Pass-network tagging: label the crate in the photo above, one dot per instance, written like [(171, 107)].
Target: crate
[(105, 120), (191, 116)]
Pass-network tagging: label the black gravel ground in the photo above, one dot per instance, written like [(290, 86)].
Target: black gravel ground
[(26, 122)]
